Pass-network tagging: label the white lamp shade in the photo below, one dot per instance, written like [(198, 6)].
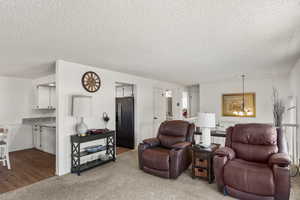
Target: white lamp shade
[(82, 106), (207, 120)]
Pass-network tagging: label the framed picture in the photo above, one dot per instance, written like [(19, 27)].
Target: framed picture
[(232, 105)]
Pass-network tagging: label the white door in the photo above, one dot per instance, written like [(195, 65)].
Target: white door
[(159, 114)]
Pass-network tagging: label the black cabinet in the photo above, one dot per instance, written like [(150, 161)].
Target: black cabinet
[(125, 122)]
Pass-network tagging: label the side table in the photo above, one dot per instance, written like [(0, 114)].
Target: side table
[(202, 163)]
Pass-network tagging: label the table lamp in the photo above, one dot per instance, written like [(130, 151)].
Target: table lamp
[(82, 107), (206, 121)]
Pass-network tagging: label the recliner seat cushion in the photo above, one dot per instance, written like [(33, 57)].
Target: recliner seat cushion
[(250, 177), (156, 158)]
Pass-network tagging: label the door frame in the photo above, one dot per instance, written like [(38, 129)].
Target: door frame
[(135, 99)]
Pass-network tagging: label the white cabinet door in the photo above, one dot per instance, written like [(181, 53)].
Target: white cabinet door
[(52, 97), (43, 97), (48, 140), (36, 136)]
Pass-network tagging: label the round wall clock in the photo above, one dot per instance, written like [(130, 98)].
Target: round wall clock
[(91, 82)]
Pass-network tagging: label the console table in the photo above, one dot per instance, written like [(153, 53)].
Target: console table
[(77, 153)]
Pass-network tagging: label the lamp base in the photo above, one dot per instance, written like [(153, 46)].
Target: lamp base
[(206, 138)]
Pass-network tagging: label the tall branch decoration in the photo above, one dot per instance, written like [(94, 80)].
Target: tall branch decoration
[(278, 108)]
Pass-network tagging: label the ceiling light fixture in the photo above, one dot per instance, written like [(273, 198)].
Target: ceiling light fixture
[(243, 111)]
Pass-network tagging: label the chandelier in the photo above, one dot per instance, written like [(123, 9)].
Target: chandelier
[(243, 111)]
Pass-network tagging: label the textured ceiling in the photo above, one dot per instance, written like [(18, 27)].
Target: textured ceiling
[(183, 41)]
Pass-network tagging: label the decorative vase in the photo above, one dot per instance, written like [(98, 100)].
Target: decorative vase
[(81, 128)]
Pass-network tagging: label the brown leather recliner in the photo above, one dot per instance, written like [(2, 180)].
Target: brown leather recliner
[(168, 154), (254, 164)]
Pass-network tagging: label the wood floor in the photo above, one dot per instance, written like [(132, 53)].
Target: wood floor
[(121, 150), (28, 167)]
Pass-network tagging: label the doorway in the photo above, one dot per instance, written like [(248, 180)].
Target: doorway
[(193, 100), (125, 116), (162, 108), (169, 105)]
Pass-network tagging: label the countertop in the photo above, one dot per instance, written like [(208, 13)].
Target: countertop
[(38, 116)]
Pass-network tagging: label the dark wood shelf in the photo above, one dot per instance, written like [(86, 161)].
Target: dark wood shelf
[(88, 138), (86, 153), (91, 164)]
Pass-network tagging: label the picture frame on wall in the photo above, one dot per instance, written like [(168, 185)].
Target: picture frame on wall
[(232, 105)]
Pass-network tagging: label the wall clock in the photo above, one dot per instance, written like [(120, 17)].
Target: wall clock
[(91, 82)]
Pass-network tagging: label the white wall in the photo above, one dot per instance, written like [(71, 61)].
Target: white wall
[(295, 86), (69, 83), (15, 102), (211, 97)]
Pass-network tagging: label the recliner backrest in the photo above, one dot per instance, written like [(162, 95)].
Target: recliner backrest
[(253, 142), (172, 132)]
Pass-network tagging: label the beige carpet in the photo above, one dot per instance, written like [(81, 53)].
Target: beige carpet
[(122, 181)]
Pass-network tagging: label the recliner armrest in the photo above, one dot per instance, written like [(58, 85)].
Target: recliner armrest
[(225, 152), (152, 142), (181, 145), (280, 159)]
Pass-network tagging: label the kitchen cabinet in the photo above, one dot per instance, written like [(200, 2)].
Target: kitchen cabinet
[(44, 138), (45, 97)]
